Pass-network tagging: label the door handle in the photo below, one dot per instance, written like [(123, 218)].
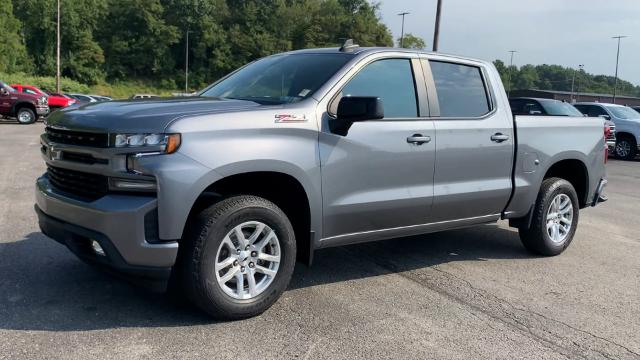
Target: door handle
[(418, 139), (499, 137)]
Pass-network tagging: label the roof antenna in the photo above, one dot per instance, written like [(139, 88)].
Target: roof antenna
[(348, 46)]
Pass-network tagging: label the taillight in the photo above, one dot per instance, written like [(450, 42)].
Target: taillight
[(607, 131), (607, 134)]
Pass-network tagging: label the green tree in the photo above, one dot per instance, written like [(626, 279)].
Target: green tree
[(136, 39), (82, 57), (411, 41), (556, 77), (13, 53)]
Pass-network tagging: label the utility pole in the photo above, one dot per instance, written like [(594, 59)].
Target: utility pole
[(615, 85), (58, 51), (436, 30), (510, 70), (403, 14), (186, 65), (573, 81)]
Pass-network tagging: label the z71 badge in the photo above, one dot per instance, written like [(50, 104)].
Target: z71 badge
[(289, 118)]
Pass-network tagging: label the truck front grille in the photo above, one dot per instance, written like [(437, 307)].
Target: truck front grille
[(80, 138), (79, 184)]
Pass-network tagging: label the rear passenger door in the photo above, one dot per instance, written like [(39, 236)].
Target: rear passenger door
[(475, 140)]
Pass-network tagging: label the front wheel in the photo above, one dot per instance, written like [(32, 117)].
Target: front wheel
[(26, 116), (626, 148), (555, 218), (239, 257)]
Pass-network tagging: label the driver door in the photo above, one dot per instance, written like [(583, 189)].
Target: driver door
[(375, 179)]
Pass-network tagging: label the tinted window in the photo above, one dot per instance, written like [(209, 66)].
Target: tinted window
[(29, 91), (279, 79), (392, 81), (525, 107), (461, 90), (591, 110)]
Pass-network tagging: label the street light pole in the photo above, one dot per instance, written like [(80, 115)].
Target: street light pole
[(186, 65), (403, 14), (58, 50), (573, 81), (615, 85), (510, 70), (436, 30)]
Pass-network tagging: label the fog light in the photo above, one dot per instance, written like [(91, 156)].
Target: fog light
[(97, 249), (133, 185)]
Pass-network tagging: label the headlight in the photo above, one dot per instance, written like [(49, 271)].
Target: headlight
[(43, 100), (166, 143)]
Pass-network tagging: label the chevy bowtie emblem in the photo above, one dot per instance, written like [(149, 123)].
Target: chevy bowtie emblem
[(55, 154)]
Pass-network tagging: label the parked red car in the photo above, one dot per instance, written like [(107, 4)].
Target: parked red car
[(55, 101)]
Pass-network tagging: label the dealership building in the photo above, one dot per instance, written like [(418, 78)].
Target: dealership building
[(576, 96)]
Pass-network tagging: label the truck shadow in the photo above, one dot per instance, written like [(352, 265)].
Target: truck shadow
[(45, 288)]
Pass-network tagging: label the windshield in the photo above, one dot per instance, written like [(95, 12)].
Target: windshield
[(559, 108), (623, 112), (279, 79), (9, 88)]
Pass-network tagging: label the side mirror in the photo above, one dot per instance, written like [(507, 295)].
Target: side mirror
[(360, 108), (4, 92), (606, 117)]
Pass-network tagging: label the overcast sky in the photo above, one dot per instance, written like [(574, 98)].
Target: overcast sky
[(564, 32)]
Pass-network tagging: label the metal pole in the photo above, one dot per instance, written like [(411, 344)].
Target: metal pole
[(510, 70), (58, 50), (573, 81), (615, 84), (581, 66), (186, 65), (436, 30), (402, 31)]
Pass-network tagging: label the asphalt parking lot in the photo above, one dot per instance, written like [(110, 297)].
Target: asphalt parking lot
[(471, 293)]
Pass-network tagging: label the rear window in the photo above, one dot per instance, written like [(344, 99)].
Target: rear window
[(461, 90), (559, 108)]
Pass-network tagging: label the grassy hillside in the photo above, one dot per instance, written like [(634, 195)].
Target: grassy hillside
[(119, 90)]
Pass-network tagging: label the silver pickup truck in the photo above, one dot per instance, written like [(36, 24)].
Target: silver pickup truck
[(219, 194)]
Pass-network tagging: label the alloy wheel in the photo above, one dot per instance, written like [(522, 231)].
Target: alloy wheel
[(559, 218), (247, 260)]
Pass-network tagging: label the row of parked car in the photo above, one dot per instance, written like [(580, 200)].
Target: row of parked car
[(622, 122), (26, 102)]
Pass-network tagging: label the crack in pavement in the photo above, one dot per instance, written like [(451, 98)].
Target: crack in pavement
[(551, 333)]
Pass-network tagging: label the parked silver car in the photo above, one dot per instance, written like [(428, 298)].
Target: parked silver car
[(627, 123)]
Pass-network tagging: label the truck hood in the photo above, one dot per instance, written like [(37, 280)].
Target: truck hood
[(140, 116)]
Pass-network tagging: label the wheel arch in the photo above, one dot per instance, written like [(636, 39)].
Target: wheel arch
[(18, 105), (575, 172), (288, 191)]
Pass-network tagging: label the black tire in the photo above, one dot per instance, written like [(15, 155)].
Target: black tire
[(536, 238), (26, 113), (200, 246), (626, 147)]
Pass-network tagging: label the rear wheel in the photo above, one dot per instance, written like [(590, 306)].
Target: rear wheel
[(26, 116), (555, 218), (626, 147), (239, 256)]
